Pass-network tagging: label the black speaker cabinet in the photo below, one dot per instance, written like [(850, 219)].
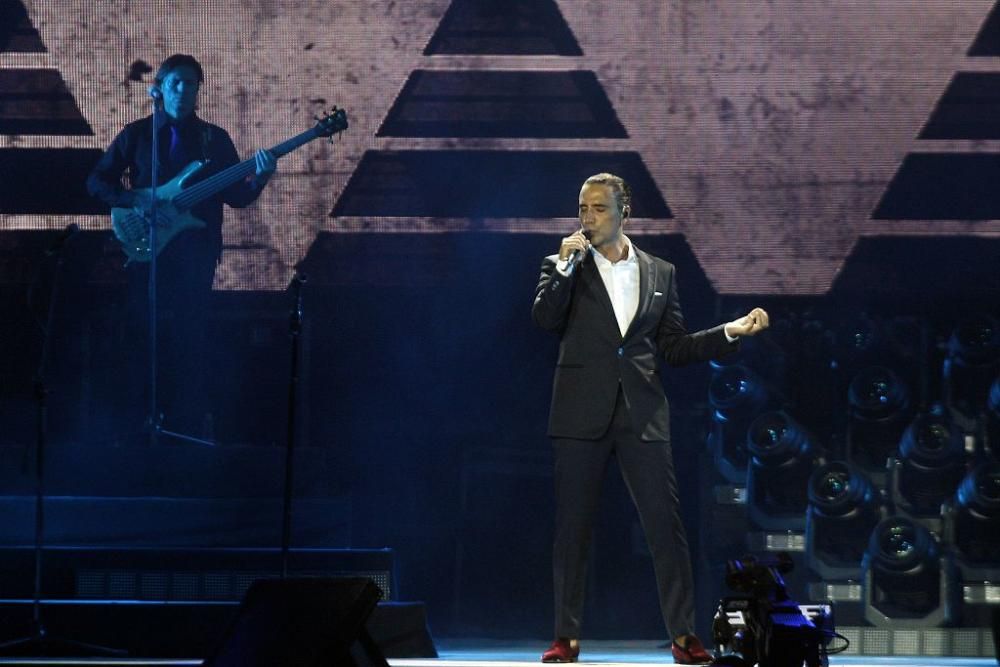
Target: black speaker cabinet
[(302, 622)]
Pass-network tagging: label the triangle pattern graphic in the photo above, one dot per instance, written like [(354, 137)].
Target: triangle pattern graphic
[(515, 27), (36, 101), (988, 40), (17, 34), (484, 103), (937, 185), (968, 109), (436, 103), (33, 100), (28, 182), (440, 183)]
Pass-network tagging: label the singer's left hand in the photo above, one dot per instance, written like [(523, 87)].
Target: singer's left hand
[(750, 324)]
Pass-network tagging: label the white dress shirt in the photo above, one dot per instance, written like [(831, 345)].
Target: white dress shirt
[(621, 280)]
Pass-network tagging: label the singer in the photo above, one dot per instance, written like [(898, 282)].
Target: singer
[(616, 311), (186, 267)]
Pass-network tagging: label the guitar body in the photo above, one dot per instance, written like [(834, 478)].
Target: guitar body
[(131, 225)]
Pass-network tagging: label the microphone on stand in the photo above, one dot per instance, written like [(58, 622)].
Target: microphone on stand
[(156, 95)]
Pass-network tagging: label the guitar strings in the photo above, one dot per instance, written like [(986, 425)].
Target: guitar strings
[(214, 183), (191, 196)]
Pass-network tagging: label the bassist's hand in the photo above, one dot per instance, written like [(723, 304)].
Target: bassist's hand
[(267, 164), (166, 212)]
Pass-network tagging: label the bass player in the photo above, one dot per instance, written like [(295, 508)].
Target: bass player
[(186, 265)]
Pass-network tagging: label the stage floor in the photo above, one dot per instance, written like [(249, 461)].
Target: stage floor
[(506, 653), (520, 653)]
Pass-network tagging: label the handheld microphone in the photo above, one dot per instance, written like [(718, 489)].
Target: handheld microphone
[(577, 255)]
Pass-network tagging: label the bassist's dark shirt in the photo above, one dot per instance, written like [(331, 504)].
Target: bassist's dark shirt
[(127, 165)]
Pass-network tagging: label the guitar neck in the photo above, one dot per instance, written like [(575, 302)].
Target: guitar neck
[(222, 180)]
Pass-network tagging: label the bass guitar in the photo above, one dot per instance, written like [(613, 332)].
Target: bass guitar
[(174, 199)]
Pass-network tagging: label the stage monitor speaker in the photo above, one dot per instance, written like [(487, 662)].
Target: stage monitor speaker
[(302, 622)]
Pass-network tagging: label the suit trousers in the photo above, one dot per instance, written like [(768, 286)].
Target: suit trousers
[(648, 471)]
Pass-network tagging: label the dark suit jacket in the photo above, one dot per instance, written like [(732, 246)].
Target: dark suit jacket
[(594, 357)]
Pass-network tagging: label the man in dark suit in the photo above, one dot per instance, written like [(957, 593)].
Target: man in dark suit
[(617, 313)]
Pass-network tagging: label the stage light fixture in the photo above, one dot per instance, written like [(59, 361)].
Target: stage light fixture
[(972, 523), (931, 464), (864, 340), (844, 508), (908, 581), (878, 409), (972, 363), (858, 339), (782, 457), (737, 396)]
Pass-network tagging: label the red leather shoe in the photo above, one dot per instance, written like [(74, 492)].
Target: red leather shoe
[(692, 653), (561, 651)]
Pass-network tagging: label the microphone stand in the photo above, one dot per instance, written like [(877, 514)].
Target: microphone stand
[(39, 642), (154, 417), (155, 421), (294, 328)]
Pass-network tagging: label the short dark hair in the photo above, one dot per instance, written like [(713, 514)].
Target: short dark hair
[(619, 188), (179, 60)]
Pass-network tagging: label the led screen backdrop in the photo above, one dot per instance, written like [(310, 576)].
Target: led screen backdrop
[(770, 134)]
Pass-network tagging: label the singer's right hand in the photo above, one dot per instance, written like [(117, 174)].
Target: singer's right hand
[(573, 242)]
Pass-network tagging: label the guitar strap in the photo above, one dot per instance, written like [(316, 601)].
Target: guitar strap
[(206, 138)]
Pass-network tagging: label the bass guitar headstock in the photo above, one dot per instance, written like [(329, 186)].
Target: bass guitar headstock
[(332, 122)]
